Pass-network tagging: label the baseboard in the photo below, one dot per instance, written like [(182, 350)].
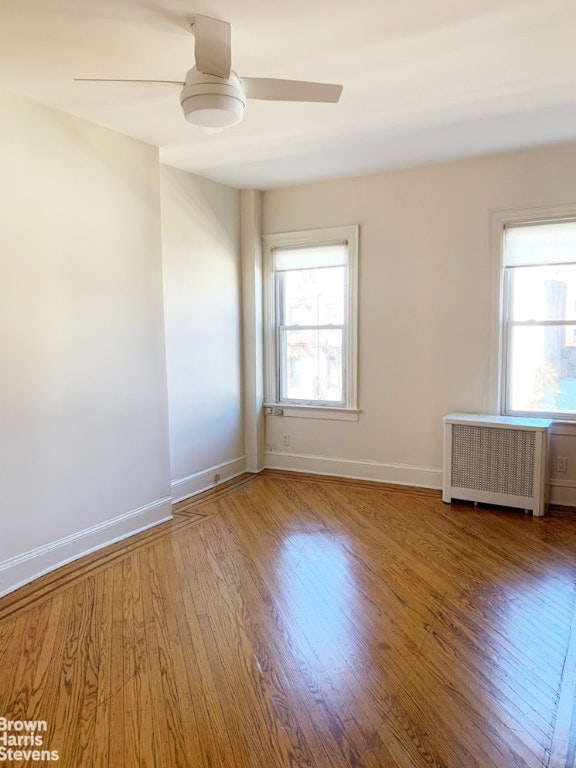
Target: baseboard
[(24, 568), (563, 492), (398, 474), (207, 478)]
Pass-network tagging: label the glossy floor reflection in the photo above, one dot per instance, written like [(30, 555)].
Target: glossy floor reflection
[(291, 621), (318, 594)]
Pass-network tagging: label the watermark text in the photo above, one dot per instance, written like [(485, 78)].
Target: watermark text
[(20, 739)]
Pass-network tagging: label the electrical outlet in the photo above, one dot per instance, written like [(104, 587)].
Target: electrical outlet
[(286, 441), (561, 464)]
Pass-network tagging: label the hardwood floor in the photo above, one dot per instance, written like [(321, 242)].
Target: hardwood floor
[(288, 620)]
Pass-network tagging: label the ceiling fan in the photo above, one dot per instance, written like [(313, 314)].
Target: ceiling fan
[(214, 96)]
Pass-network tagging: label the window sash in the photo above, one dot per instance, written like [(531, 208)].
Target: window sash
[(284, 329), (533, 385), (549, 395), (294, 246), (284, 367)]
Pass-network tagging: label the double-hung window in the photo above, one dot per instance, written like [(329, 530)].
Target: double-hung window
[(539, 328), (310, 309)]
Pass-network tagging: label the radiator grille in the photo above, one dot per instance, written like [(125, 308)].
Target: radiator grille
[(497, 460)]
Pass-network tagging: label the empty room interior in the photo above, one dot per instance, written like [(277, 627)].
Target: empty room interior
[(288, 384)]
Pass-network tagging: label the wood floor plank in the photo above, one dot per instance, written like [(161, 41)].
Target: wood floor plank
[(293, 620), (113, 694), (236, 662), (165, 662), (138, 730), (106, 682)]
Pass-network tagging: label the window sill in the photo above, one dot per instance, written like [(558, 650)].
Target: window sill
[(311, 412)]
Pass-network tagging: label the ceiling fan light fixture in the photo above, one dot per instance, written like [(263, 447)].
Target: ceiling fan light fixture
[(211, 101), (213, 96), (213, 110)]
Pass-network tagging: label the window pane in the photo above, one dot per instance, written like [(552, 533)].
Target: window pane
[(544, 293), (312, 361), (543, 368), (313, 296)]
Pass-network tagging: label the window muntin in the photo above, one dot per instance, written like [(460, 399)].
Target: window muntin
[(540, 319), (310, 302)]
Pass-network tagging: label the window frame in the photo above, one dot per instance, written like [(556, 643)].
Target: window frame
[(502, 220), (273, 374)]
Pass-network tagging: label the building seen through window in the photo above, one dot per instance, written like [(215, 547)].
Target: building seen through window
[(310, 308), (312, 305), (540, 319)]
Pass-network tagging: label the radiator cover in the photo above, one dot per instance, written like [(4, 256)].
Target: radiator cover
[(496, 460)]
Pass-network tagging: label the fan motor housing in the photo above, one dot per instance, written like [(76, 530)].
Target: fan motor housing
[(212, 101)]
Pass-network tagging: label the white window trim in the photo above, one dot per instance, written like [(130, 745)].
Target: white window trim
[(499, 220), (350, 235)]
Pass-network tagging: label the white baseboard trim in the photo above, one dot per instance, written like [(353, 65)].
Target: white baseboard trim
[(397, 474), (563, 492), (22, 569), (206, 478)]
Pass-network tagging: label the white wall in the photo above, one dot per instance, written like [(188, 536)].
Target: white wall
[(84, 446), (83, 417), (425, 313), (252, 339), (201, 258)]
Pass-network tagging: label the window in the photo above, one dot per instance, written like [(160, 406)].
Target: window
[(310, 304), (539, 328)]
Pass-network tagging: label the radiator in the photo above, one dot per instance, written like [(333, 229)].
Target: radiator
[(496, 460)]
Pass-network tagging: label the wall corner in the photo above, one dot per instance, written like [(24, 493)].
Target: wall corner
[(251, 259)]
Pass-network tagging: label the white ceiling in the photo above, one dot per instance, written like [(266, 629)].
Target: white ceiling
[(424, 80)]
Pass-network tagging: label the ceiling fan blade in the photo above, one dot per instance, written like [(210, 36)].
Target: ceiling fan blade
[(212, 47), (290, 90), (120, 80)]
